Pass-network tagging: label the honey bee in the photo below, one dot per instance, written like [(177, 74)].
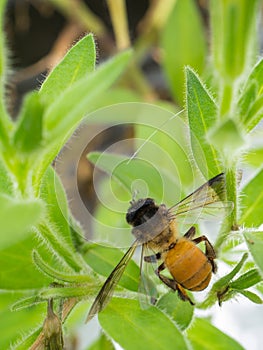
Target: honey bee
[(155, 227)]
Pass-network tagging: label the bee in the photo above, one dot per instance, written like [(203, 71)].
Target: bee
[(155, 227)]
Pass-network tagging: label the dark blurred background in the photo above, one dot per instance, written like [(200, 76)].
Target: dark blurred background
[(39, 34)]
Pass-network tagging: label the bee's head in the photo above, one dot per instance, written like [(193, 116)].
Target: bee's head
[(140, 211)]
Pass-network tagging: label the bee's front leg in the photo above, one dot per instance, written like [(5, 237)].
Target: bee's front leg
[(152, 258)]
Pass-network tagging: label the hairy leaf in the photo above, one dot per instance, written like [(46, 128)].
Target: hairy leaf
[(251, 202), (77, 101), (251, 100), (202, 113), (134, 328), (180, 311), (28, 135), (78, 62), (53, 193), (16, 218), (254, 240), (204, 336), (17, 323)]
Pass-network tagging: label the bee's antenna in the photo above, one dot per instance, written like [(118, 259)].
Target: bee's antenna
[(134, 195), (152, 134)]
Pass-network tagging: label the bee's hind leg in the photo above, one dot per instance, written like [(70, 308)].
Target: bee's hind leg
[(209, 251), (182, 294), (171, 283)]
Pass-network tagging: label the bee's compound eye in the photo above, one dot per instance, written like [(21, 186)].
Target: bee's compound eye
[(130, 217)]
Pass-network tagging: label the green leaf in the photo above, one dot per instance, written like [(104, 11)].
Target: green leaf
[(45, 294), (233, 34), (27, 340), (255, 114), (254, 240), (126, 171), (247, 99), (77, 63), (104, 259), (28, 135), (225, 280), (180, 311), (56, 274), (248, 279), (160, 133), (77, 236), (254, 157), (202, 114), (116, 95), (13, 324), (110, 224), (183, 42), (251, 100), (16, 218), (26, 302), (204, 336), (251, 296), (220, 291), (77, 101), (82, 290), (63, 252), (227, 137), (103, 343), (134, 328), (6, 185), (18, 270), (260, 288), (170, 145), (251, 202), (53, 193)]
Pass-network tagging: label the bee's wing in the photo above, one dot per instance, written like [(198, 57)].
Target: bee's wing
[(207, 200), (147, 289), (109, 285)]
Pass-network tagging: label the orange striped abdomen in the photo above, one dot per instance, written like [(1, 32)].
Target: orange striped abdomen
[(188, 265)]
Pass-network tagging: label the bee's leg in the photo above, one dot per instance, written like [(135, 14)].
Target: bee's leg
[(171, 283), (209, 250), (190, 233), (152, 258), (183, 295), (168, 281)]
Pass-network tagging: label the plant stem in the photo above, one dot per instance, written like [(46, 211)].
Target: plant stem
[(226, 98), (119, 21), (230, 222), (232, 195), (80, 12)]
